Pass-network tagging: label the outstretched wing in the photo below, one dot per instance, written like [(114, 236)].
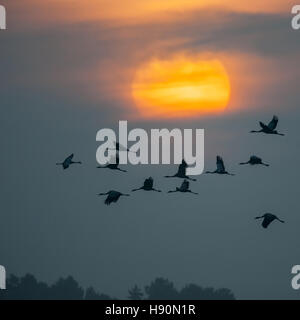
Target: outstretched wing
[(220, 164), (254, 158), (266, 222), (70, 157), (263, 126), (68, 161), (117, 159), (185, 185), (273, 123), (113, 196), (182, 168), (148, 183), (268, 219)]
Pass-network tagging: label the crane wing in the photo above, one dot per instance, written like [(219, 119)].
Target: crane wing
[(263, 126), (182, 169), (148, 183), (70, 158), (220, 164), (273, 123), (113, 196), (185, 185), (254, 158), (266, 222), (269, 217)]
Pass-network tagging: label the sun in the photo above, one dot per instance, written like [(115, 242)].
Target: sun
[(181, 87)]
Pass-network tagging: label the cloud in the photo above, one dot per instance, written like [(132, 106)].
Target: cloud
[(97, 60), (35, 12)]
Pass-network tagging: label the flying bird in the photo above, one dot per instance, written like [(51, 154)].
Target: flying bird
[(254, 160), (181, 173), (220, 168), (270, 128), (112, 196), (268, 218), (147, 186), (113, 165), (183, 188), (68, 161)]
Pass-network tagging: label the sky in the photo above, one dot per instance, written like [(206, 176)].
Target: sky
[(68, 69)]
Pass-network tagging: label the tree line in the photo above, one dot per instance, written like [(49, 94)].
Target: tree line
[(29, 288)]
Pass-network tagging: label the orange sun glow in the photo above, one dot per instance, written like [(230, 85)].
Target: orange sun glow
[(181, 87)]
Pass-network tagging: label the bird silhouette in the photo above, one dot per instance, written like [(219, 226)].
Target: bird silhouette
[(148, 186), (268, 218), (254, 160), (270, 128), (68, 161), (181, 173), (220, 168), (183, 188), (112, 196), (113, 165)]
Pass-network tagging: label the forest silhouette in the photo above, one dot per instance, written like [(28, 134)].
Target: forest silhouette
[(29, 288)]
